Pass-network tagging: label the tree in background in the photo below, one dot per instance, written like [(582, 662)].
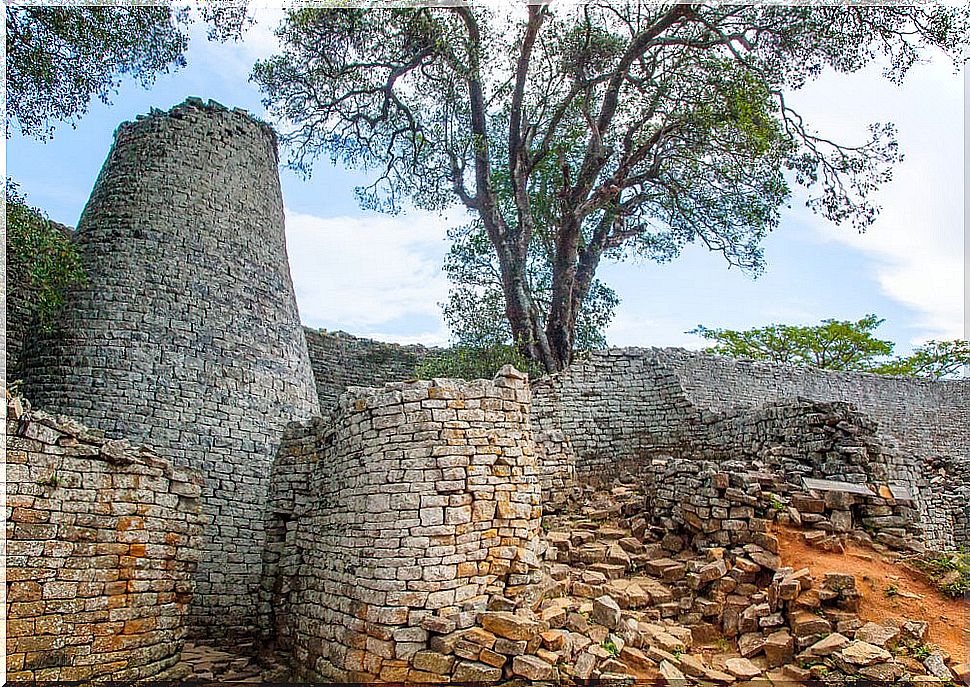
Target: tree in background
[(651, 126), (937, 359), (58, 58), (838, 345)]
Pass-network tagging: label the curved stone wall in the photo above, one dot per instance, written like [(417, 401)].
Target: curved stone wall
[(400, 512), (620, 406), (101, 543), (926, 416), (187, 335), (341, 360)]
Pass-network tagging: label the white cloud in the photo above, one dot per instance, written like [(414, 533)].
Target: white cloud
[(631, 329), (364, 273), (916, 245)]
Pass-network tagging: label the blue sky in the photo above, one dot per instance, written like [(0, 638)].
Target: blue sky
[(379, 275)]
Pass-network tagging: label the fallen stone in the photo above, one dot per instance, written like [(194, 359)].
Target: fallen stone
[(719, 676), (750, 644), (584, 665), (634, 657), (864, 654), (533, 668), (606, 612), (880, 635), (828, 645), (805, 624), (472, 671), (742, 668), (879, 673), (693, 666), (936, 667), (433, 662), (915, 629), (671, 675), (779, 649), (505, 624)]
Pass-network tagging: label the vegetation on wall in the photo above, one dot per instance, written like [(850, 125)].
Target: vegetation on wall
[(40, 257), (838, 345), (465, 361)]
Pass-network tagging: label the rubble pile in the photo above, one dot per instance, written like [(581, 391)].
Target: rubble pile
[(623, 600)]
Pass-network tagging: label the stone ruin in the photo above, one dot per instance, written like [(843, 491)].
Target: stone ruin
[(303, 494)]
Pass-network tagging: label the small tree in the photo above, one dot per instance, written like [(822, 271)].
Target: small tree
[(837, 345), (42, 262), (937, 359)]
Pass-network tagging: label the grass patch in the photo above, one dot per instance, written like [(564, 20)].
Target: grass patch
[(949, 570)]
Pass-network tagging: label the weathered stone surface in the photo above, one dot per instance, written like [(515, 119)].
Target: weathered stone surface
[(192, 343), (606, 612), (779, 648), (471, 671), (584, 665), (751, 644), (100, 551), (510, 626), (832, 643), (433, 662), (936, 666), (742, 668), (533, 668), (671, 675), (880, 635), (864, 654)]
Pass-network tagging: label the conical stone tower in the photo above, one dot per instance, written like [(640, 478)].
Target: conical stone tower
[(187, 335)]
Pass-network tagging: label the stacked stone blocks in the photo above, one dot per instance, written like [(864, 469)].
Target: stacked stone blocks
[(102, 541), (412, 502), (186, 335)]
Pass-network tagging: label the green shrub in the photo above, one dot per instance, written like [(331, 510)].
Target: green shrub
[(474, 362), (40, 257), (950, 570)]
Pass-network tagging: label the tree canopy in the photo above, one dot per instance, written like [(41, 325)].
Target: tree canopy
[(838, 345), (652, 126), (59, 57)]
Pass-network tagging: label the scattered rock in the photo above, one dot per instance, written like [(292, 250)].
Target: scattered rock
[(864, 654), (742, 668)]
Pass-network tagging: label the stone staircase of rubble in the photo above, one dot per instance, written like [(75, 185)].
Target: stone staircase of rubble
[(621, 602)]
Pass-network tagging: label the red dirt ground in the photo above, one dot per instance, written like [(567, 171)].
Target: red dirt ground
[(916, 599)]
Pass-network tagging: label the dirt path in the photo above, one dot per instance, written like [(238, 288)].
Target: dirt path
[(915, 599)]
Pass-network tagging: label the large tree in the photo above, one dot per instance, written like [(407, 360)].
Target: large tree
[(660, 125), (59, 57)]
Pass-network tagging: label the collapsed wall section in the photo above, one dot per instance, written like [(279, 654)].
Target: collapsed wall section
[(621, 407), (341, 361), (101, 544), (410, 503), (186, 335)]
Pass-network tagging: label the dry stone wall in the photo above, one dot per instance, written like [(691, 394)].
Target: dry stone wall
[(620, 407), (101, 543), (187, 334), (341, 361), (927, 417), (396, 516)]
